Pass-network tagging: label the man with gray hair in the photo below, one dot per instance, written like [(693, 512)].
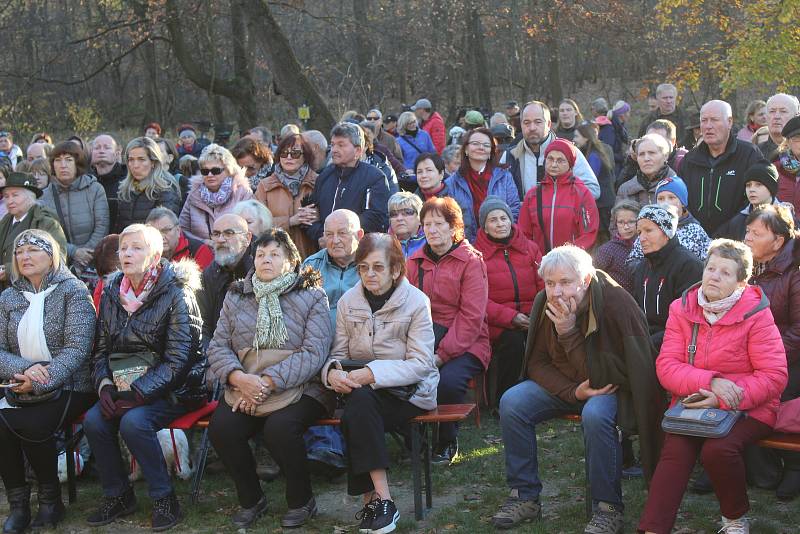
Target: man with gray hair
[(714, 170), (590, 355), (350, 183), (319, 147), (177, 245), (780, 108), (667, 100)]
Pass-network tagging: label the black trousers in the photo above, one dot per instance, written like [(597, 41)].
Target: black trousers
[(505, 369), (368, 415), (36, 422), (283, 431)]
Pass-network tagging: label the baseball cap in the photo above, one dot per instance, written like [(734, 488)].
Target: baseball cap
[(422, 103)]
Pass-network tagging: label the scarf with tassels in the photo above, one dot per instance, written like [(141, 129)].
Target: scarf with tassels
[(714, 311), (270, 327), (789, 163), (132, 298)]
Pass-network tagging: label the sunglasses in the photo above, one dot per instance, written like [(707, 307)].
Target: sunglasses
[(295, 153), (212, 170), (408, 212), (373, 118)]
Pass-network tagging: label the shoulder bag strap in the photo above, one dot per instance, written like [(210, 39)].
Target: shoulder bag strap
[(410, 142), (420, 274), (692, 348), (57, 202), (540, 215)]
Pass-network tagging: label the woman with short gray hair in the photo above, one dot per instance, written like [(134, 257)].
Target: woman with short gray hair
[(258, 217)]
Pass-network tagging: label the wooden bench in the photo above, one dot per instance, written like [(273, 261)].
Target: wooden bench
[(421, 426), (784, 442)]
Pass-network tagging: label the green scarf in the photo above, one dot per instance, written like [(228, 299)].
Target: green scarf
[(270, 328)]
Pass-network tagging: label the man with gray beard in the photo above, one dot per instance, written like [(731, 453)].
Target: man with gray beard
[(232, 261)]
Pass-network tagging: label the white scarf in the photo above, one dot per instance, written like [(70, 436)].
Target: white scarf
[(30, 332), (714, 311)]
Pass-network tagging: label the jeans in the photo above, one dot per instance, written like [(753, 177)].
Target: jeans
[(528, 403), (453, 379), (138, 428)]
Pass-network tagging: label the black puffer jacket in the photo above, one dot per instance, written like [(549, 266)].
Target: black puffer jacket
[(169, 324), (138, 208)]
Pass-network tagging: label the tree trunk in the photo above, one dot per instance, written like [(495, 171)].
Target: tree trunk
[(289, 77), (481, 61)]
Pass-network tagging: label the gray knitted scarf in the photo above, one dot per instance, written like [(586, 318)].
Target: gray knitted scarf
[(270, 328)]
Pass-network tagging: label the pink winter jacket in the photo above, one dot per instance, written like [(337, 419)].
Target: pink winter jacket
[(744, 347), (197, 218)]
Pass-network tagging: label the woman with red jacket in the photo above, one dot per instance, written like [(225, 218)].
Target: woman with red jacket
[(453, 276), (739, 364), (512, 263), (568, 212)]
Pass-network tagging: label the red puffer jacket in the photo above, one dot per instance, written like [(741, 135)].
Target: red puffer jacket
[(513, 278), (459, 293), (744, 347), (569, 213)]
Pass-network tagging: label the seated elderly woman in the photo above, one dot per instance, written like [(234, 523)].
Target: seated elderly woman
[(147, 185), (404, 222), (383, 363), (223, 185), (50, 362), (453, 276), (148, 370), (258, 217), (272, 338), (740, 365), (19, 194)]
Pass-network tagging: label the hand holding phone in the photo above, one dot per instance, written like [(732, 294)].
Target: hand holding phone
[(694, 397), (9, 384)]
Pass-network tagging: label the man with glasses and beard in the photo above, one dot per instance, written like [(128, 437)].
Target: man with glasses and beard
[(232, 261)]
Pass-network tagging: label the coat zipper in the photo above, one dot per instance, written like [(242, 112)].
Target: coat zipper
[(644, 300), (513, 279)]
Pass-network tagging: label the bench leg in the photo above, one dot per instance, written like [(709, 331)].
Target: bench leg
[(202, 455), (427, 459), (69, 449), (587, 488), (419, 511)]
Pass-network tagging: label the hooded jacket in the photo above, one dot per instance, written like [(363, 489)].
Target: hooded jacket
[(282, 205), (398, 338), (362, 190), (569, 212), (197, 218), (335, 280), (501, 184), (610, 346), (716, 186), (513, 278), (434, 125), (305, 314), (744, 346), (458, 289), (85, 211), (661, 278), (168, 324)]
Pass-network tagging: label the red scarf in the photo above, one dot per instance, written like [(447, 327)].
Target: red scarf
[(433, 193), (478, 183)]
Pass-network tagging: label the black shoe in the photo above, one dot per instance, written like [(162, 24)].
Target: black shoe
[(19, 513), (297, 517), (166, 513), (112, 508), (789, 487), (367, 514), (247, 516), (446, 455), (385, 517), (702, 484), (51, 509)]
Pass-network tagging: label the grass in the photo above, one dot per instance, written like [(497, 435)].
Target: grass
[(465, 495)]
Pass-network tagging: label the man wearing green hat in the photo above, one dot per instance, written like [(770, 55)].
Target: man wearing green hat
[(20, 193)]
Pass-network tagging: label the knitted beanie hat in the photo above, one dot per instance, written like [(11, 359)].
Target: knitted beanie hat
[(662, 217), (676, 186), (564, 146), (766, 174), (489, 205)]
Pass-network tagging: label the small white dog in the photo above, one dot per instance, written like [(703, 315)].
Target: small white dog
[(164, 439)]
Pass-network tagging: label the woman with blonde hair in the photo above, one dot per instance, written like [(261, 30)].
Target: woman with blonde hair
[(148, 184), (222, 186), (412, 139)]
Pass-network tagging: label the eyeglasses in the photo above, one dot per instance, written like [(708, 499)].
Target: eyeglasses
[(227, 234), (408, 212), (212, 170), (556, 161), (487, 146), (373, 118), (363, 268), (623, 224), (295, 153)]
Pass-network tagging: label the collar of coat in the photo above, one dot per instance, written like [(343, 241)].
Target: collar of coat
[(397, 300), (754, 297), (307, 278)]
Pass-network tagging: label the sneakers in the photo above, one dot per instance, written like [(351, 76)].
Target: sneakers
[(247, 516), (445, 455), (606, 520), (112, 508), (166, 513), (366, 515), (378, 516), (515, 511), (296, 517), (735, 526)]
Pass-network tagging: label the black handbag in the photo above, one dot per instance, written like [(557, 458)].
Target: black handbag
[(698, 422), (18, 400)]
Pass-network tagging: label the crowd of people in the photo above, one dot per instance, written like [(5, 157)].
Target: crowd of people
[(383, 268)]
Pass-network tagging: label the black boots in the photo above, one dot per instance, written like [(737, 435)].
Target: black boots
[(19, 513), (51, 509)]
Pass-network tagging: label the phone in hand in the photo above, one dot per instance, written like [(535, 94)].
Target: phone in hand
[(10, 384), (694, 397)]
